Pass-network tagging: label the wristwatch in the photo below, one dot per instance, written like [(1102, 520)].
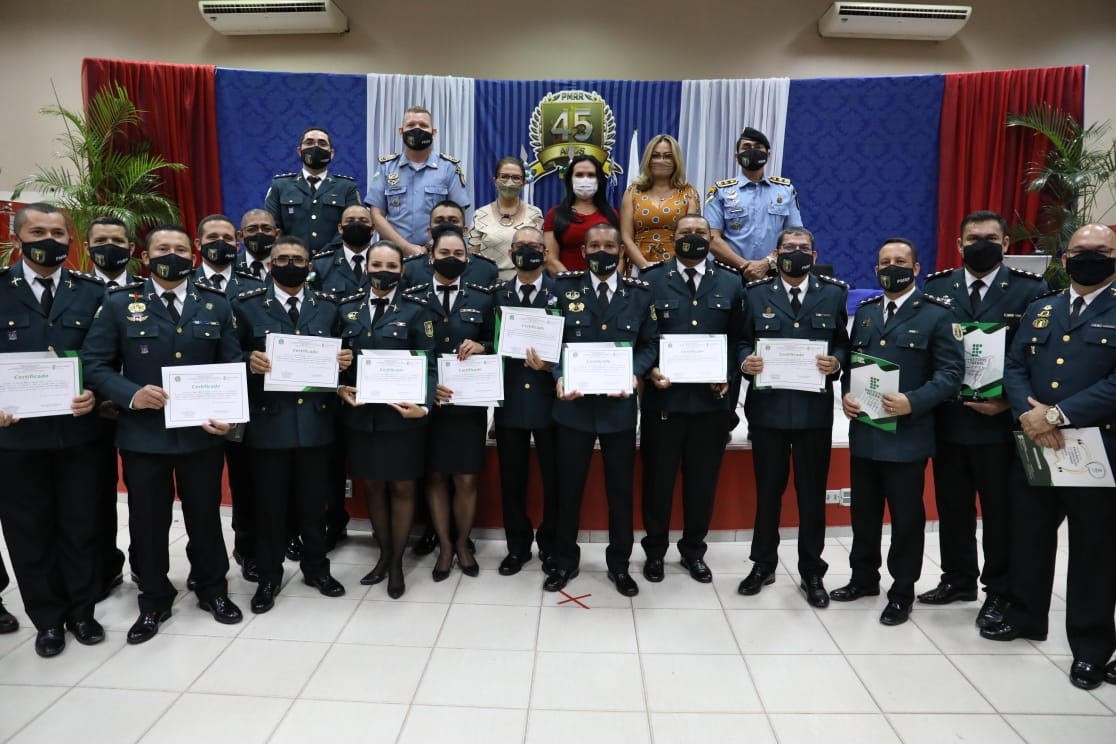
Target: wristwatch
[(1054, 416)]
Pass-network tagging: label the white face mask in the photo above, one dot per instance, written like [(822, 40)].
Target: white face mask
[(584, 186)]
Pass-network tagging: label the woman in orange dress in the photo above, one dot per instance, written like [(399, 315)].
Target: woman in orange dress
[(655, 201)]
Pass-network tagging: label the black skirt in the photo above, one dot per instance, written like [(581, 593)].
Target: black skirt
[(457, 440), (387, 455)]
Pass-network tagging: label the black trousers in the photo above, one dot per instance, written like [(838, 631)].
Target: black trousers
[(575, 448), (110, 556), (899, 485), (513, 447), (152, 481), (961, 471), (1091, 577), (282, 478), (4, 580), (771, 453), (696, 442), (48, 509), (337, 515), (243, 498)]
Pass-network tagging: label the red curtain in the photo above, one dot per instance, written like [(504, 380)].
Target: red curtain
[(983, 163), (180, 118)]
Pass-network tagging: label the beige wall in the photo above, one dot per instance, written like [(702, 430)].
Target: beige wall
[(44, 40)]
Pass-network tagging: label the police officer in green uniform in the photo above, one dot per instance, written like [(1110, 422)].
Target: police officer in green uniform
[(682, 424), (419, 269), (257, 234), (600, 306), (291, 434), (404, 188), (975, 448), (308, 203), (1061, 372), (48, 516), (916, 332), (166, 321), (339, 268)]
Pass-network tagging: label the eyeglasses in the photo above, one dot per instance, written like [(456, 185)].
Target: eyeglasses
[(528, 246), (297, 261), (510, 178), (793, 247), (662, 156)]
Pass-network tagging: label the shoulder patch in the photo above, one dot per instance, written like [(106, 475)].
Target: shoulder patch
[(352, 298), (1025, 273), (324, 252), (287, 175), (416, 298), (726, 267), (347, 178), (209, 288), (479, 287), (758, 282), (88, 277), (417, 288), (569, 274), (779, 180), (832, 280), (500, 285), (635, 282), (245, 274), (388, 158), (1050, 293), (942, 301), (725, 183), (324, 295), (122, 287), (451, 158), (939, 274), (251, 293), (870, 300)]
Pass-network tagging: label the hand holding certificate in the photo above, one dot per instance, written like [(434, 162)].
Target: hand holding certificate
[(790, 364), (200, 393), (597, 368), (870, 380), (984, 359), (301, 363), (523, 328), (1083, 461), (391, 376), (34, 385), (476, 381), (693, 357)]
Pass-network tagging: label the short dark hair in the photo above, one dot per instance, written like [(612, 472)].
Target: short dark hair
[(385, 243), (510, 160), (447, 203), (904, 241), (983, 215), (292, 240), (599, 226), (108, 222), (167, 227), (21, 216), (442, 231), (213, 218), (794, 231), (316, 129), (690, 216)]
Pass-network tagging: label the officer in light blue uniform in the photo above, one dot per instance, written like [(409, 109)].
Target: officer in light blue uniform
[(747, 213)]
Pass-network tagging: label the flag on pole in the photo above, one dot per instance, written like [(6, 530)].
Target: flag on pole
[(528, 182), (634, 156)]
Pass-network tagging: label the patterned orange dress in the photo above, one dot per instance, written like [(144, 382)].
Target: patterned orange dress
[(654, 222)]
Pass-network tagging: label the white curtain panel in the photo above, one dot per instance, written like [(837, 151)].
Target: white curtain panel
[(714, 112), (450, 100)]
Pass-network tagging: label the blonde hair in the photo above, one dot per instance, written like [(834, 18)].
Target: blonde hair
[(677, 179)]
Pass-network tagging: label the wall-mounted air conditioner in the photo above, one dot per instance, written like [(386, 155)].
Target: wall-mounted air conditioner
[(247, 18), (894, 21)]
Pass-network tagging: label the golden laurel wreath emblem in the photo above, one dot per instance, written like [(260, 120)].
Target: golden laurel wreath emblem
[(568, 123)]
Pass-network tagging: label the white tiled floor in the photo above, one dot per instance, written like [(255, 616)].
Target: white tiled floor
[(495, 659)]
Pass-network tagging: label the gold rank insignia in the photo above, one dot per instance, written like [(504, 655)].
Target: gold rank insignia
[(573, 294), (353, 315), (957, 332), (393, 179), (1043, 314), (653, 313), (1040, 323), (576, 307), (137, 307), (428, 326)]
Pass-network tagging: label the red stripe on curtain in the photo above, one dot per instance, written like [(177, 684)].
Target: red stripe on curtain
[(180, 118), (983, 163)]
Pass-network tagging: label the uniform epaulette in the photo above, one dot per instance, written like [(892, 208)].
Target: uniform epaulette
[(347, 178), (209, 288), (486, 258), (1025, 273), (323, 253), (938, 274), (245, 274), (757, 282), (352, 298), (479, 287), (325, 295), (88, 277), (417, 288), (726, 267), (569, 274), (635, 282), (4, 270), (451, 158), (779, 180), (726, 183), (832, 280), (498, 286), (252, 293), (416, 298), (1049, 293), (651, 267), (942, 301), (125, 287), (389, 158), (876, 298), (417, 255), (292, 174)]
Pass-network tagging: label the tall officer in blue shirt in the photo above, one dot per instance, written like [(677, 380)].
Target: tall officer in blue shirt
[(916, 332), (800, 305), (404, 188), (49, 463), (1061, 371), (975, 448), (308, 203), (747, 213), (682, 424)]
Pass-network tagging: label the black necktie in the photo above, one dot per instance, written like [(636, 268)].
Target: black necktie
[(526, 291), (602, 295), (47, 299), (218, 280), (170, 298), (292, 310), (891, 308), (1078, 306), (112, 283), (257, 269), (690, 274), (313, 181), (446, 298), (796, 304), (974, 294), (380, 303), (357, 259)]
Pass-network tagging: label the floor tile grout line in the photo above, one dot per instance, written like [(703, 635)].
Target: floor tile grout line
[(751, 676), (534, 673)]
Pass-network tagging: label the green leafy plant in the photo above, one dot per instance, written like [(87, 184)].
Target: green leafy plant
[(106, 171)]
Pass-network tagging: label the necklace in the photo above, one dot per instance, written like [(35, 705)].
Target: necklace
[(509, 219)]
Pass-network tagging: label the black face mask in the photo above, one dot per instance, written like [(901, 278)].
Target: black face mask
[(527, 259), (171, 267), (110, 256), (982, 255), (752, 159), (602, 263), (356, 234), (259, 245), (383, 281), (219, 253), (796, 264), (450, 267), (1090, 268), (46, 252), (417, 139), (691, 247), (290, 275), (895, 278), (316, 157)]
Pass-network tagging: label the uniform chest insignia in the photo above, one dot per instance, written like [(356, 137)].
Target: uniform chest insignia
[(576, 307), (353, 315), (768, 313), (428, 326), (13, 336), (143, 349), (957, 332), (137, 318), (393, 179), (779, 200), (1003, 285), (69, 284), (1043, 314), (957, 285), (1041, 323), (573, 294), (731, 194), (865, 323), (137, 307)]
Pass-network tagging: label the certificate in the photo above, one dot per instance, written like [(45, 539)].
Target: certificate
[(694, 357), (985, 344), (34, 385), (871, 378), (391, 376), (301, 363), (523, 328), (477, 381), (597, 368), (1083, 462), (790, 364), (200, 392)]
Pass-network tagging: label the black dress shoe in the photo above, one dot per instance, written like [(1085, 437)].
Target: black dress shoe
[(8, 621), (816, 595), (426, 543), (992, 611), (145, 628), (50, 642), (88, 632), (543, 556), (895, 613), (653, 570), (512, 563), (223, 609), (294, 549), (472, 546), (264, 598), (1007, 631), (440, 575), (326, 584), (1086, 676), (376, 575), (756, 580), (472, 571), (945, 593), (699, 571), (624, 582), (250, 570), (851, 592), (549, 566), (396, 586), (1110, 673), (559, 577)]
